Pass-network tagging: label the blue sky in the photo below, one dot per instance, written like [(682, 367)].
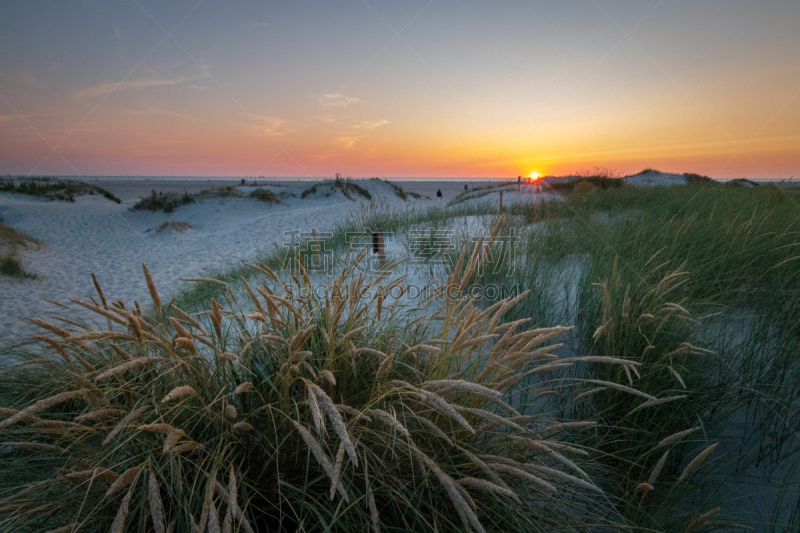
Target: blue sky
[(399, 88)]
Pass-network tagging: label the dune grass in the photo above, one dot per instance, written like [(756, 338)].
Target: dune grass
[(697, 178), (10, 265), (170, 201), (348, 187), (11, 237), (175, 225), (54, 189), (265, 195), (742, 182), (586, 183), (329, 411), (697, 283), (166, 202), (647, 171), (11, 241), (400, 192)]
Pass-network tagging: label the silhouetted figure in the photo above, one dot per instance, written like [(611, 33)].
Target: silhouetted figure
[(439, 195)]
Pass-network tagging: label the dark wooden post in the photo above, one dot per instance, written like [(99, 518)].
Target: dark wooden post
[(378, 245), (501, 199)]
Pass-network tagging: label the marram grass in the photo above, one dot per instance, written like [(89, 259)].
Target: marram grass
[(295, 410)]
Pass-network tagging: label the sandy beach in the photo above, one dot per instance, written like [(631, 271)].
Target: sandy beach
[(95, 235)]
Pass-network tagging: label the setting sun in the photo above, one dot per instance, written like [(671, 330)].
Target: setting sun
[(534, 175)]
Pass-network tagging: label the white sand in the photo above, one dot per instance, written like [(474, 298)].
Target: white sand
[(524, 193), (95, 235), (655, 179)]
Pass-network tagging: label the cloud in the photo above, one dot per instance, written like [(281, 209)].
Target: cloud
[(31, 80), (326, 118), (105, 88), (371, 124), (338, 100), (156, 111), (274, 125), (204, 61), (4, 118), (345, 142)]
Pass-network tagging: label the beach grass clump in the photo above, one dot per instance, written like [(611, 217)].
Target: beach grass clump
[(692, 178), (586, 183), (11, 241), (169, 201), (166, 202), (297, 407), (348, 187), (599, 172), (54, 188), (265, 195), (400, 192), (175, 225), (311, 190), (11, 237), (742, 182), (228, 191), (10, 265)]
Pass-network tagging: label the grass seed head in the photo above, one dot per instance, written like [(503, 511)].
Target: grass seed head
[(118, 526), (177, 393), (156, 505), (123, 481)]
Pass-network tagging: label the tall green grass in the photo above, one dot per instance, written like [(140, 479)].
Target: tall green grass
[(697, 282), (295, 409)]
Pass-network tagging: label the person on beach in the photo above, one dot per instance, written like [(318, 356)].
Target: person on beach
[(439, 195)]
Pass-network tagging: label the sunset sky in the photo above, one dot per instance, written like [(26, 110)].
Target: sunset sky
[(399, 88)]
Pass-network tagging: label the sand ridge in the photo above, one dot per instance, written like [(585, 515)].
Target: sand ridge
[(94, 235)]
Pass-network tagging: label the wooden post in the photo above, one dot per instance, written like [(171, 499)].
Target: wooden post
[(501, 199), (378, 245)]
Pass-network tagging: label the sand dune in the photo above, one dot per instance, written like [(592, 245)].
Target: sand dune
[(94, 235)]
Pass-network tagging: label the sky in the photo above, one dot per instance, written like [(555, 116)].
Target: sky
[(418, 88)]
